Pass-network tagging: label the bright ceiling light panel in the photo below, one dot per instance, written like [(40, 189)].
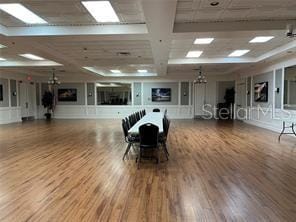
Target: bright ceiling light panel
[(194, 54), (238, 53), (31, 56), (22, 13), (2, 59), (115, 71), (102, 11), (261, 39), (203, 41), (142, 70)]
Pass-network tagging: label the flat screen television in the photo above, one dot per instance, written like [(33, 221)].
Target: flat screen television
[(161, 94), (67, 95), (261, 92), (1, 93)]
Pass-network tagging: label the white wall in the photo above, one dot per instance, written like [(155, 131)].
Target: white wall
[(268, 115), (174, 108), (10, 112), (83, 111)]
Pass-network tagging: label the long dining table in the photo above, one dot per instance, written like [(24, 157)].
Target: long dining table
[(155, 118)]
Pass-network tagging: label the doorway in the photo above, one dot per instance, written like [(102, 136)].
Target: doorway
[(199, 100), (27, 99), (241, 101)]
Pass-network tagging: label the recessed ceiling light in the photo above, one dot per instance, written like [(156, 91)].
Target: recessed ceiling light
[(22, 13), (102, 11), (238, 53), (142, 70), (115, 71), (194, 54), (31, 56), (2, 46), (214, 3), (2, 59), (203, 41), (260, 39)]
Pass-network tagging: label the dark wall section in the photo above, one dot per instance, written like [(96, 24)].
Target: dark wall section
[(90, 94), (185, 93), (137, 93), (13, 93), (5, 101)]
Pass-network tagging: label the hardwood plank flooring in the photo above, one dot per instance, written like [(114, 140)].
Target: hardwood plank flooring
[(72, 170)]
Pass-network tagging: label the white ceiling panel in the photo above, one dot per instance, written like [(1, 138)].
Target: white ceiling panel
[(234, 10), (72, 12), (207, 69), (223, 45)]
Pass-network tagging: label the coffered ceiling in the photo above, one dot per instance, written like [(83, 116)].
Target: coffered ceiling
[(154, 36), (234, 10), (72, 12), (226, 42)]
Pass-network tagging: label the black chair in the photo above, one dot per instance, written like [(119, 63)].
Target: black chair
[(148, 140), (156, 110), (144, 111), (164, 136), (138, 117), (127, 123), (141, 114), (165, 112), (135, 118), (130, 140), (131, 120)]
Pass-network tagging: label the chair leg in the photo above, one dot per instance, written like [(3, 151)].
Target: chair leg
[(158, 155), (165, 151), (293, 130), (283, 130), (127, 150), (139, 158)]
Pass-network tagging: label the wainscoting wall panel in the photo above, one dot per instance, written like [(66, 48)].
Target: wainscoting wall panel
[(116, 112), (267, 119), (10, 115)]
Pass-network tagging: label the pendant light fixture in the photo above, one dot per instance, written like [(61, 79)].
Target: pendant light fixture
[(53, 80), (201, 79)]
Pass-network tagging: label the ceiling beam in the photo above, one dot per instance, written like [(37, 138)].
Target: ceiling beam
[(159, 17), (232, 26), (29, 63), (126, 29), (285, 48), (208, 61)]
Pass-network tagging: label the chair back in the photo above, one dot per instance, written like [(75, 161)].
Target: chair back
[(124, 129), (127, 123), (138, 117), (156, 110), (165, 123), (131, 121), (134, 118), (148, 135)]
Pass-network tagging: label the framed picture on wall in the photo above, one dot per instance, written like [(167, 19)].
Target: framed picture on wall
[(67, 95), (161, 94), (1, 93), (261, 92)]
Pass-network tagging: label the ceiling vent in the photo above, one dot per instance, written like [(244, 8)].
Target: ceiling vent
[(123, 53), (290, 31)]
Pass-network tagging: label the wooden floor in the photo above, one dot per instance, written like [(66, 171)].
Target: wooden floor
[(72, 170)]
